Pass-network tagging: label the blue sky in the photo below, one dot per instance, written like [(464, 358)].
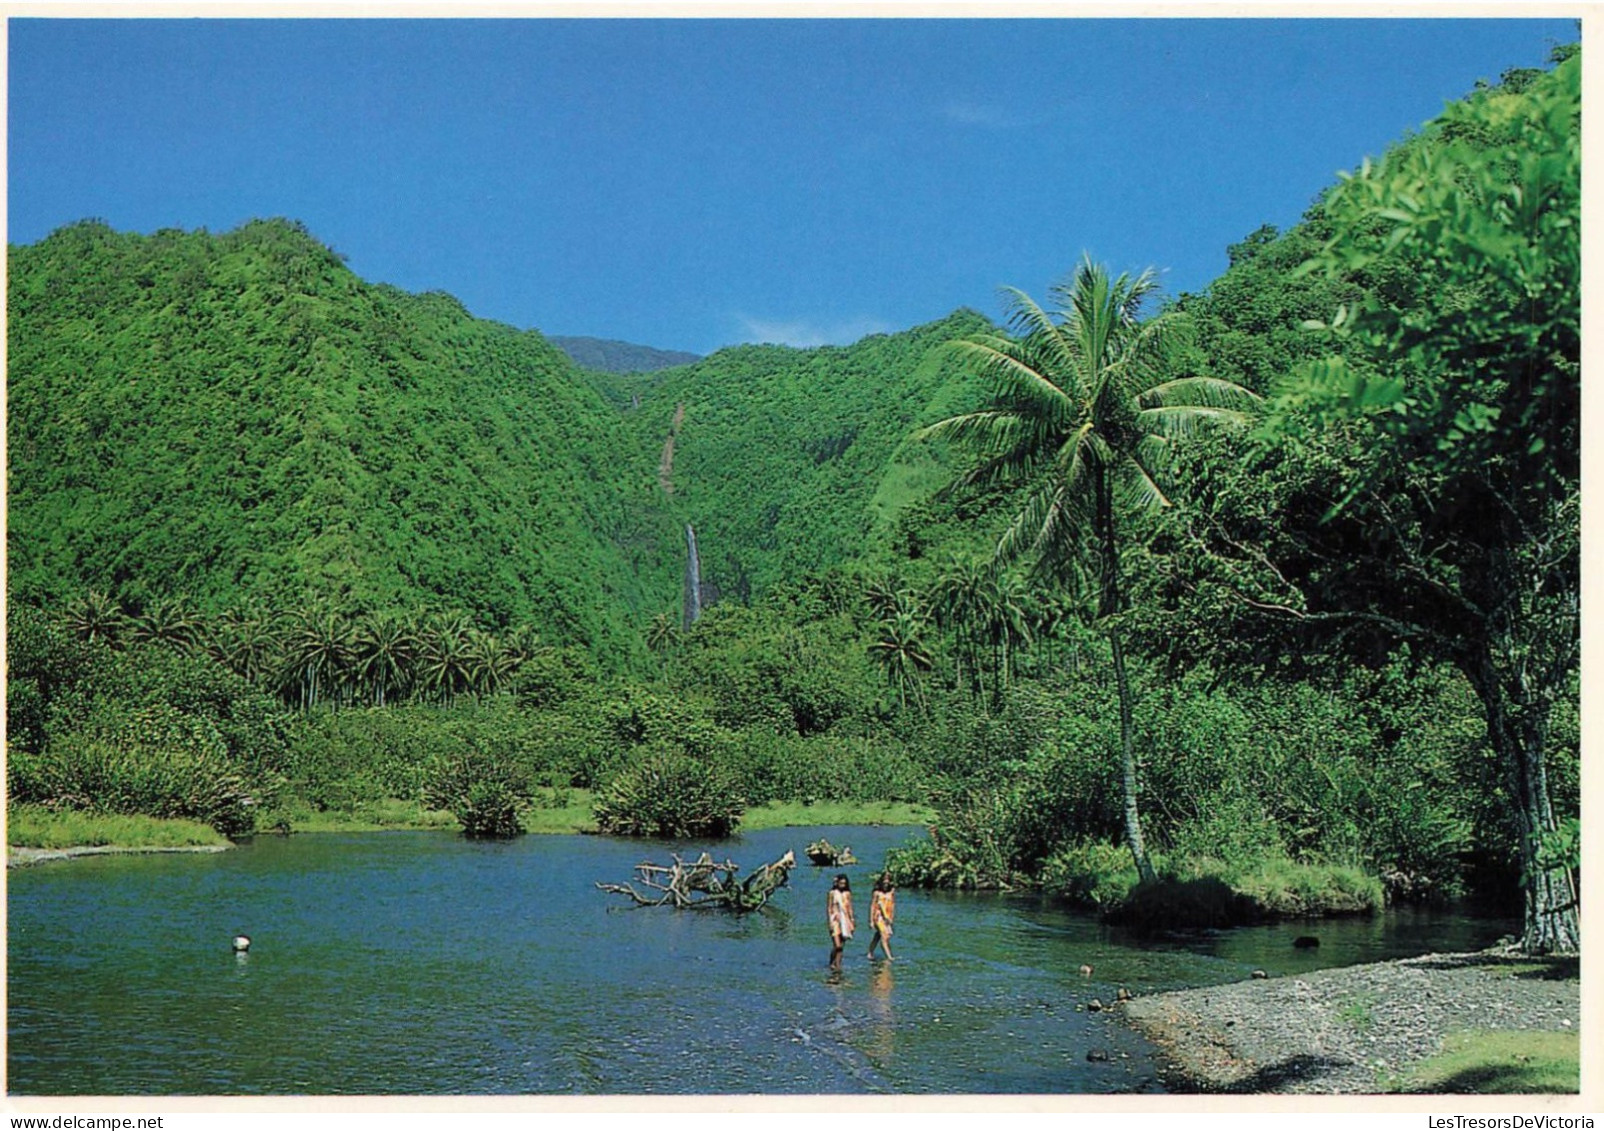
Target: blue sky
[(689, 184)]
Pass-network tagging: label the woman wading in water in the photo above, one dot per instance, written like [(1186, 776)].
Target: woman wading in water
[(838, 911), (882, 910)]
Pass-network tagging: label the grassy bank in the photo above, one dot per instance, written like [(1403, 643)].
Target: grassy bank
[(789, 814), (1199, 892), (569, 811), (1485, 1062), (31, 826)]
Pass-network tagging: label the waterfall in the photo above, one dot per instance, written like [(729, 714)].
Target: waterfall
[(693, 579)]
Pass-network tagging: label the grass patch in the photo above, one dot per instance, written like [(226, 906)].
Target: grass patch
[(788, 814), (554, 811), (32, 826), (1284, 889), (564, 811), (1356, 1013), (1481, 1062), (560, 811)]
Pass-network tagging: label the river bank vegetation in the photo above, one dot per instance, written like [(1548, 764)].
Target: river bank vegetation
[(1262, 601)]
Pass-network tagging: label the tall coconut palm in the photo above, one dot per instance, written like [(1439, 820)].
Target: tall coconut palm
[(486, 661), (383, 651), (317, 656), (248, 644), (1006, 627), (1083, 416), (663, 634), (443, 657)]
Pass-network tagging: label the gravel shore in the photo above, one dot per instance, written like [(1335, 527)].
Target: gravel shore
[(21, 857), (1344, 1031)]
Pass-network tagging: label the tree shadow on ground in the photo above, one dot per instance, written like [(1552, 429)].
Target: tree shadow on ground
[(1272, 1077), (1548, 968), (1491, 1079)]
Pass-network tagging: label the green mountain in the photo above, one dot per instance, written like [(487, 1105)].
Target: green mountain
[(610, 356), (240, 418), (788, 461)]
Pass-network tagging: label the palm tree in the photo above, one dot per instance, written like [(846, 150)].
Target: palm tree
[(247, 644), (318, 655), (444, 657), (486, 662), (1006, 627), (900, 651), (383, 651), (1083, 416), (957, 598), (171, 621), (662, 634), (97, 617)]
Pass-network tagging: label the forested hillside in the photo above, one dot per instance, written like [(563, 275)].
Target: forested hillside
[(611, 356), (239, 419), (790, 461)]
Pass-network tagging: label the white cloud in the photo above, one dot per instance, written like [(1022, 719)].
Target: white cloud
[(807, 334)]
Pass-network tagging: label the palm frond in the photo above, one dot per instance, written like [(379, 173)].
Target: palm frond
[(1178, 422), (1136, 488), (1025, 531), (1015, 376), (1204, 392)]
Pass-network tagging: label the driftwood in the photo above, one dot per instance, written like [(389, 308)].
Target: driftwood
[(823, 852), (703, 884)]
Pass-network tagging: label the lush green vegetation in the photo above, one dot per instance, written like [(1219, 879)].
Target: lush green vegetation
[(238, 419), (1266, 597), (610, 356)]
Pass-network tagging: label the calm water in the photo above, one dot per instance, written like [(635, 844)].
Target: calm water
[(390, 963)]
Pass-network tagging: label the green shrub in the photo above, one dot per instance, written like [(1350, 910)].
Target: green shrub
[(485, 794), (1092, 872), (926, 864), (164, 765), (666, 793)]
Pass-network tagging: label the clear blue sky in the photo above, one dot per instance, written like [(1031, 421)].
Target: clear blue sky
[(689, 184)]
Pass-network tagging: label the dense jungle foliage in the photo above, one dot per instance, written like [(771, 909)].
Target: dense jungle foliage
[(1296, 592)]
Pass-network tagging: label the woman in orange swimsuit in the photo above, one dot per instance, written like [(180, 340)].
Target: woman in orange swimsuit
[(838, 912), (882, 910)]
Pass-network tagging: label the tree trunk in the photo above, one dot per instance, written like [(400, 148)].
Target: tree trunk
[(1109, 604), (1133, 817), (1517, 727)]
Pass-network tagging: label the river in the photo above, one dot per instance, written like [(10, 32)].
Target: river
[(422, 963)]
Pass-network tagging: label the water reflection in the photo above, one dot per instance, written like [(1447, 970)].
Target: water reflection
[(882, 1019)]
